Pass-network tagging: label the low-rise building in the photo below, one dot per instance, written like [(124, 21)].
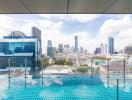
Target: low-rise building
[(128, 50)]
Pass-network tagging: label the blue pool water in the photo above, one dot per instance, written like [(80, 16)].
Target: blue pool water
[(64, 87)]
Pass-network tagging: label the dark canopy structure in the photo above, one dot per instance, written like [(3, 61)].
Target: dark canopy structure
[(65, 6)]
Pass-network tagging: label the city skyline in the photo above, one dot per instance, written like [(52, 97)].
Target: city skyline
[(61, 28)]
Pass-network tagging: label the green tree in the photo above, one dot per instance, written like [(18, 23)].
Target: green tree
[(82, 69), (62, 62)]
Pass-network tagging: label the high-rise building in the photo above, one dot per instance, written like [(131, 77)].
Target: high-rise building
[(49, 49), (19, 50), (66, 48), (97, 50), (103, 48), (72, 49), (111, 45), (60, 48), (128, 50), (81, 49), (37, 34), (54, 51), (76, 44)]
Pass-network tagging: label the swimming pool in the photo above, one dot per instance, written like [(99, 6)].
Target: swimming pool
[(64, 87)]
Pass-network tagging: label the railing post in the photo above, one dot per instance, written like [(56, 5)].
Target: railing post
[(9, 83), (9, 74), (25, 72), (9, 68), (42, 73), (117, 89), (124, 70), (91, 66), (107, 82), (108, 68)]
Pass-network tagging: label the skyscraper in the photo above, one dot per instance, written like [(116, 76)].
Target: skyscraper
[(36, 33), (76, 44), (60, 47), (72, 50), (81, 50), (103, 48), (54, 51), (97, 50), (111, 45), (106, 48), (49, 49), (66, 48)]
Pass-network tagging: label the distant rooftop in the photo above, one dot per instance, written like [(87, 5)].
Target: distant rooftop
[(17, 34)]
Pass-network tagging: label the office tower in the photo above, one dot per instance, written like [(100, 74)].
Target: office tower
[(49, 49), (18, 47), (72, 49), (54, 49), (105, 48), (111, 45), (76, 44), (102, 48), (81, 49), (128, 50), (66, 48), (36, 33), (98, 50), (60, 48)]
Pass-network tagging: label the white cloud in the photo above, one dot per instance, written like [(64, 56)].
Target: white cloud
[(5, 25), (120, 28), (124, 38), (26, 28), (82, 18), (125, 33), (116, 25), (5, 22), (8, 24)]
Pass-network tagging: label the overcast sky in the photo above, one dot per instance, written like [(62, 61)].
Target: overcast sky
[(91, 29)]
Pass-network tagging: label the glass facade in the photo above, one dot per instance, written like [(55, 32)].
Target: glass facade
[(60, 48), (19, 50), (98, 50), (20, 53), (49, 49), (76, 44), (17, 47), (111, 45), (16, 61)]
